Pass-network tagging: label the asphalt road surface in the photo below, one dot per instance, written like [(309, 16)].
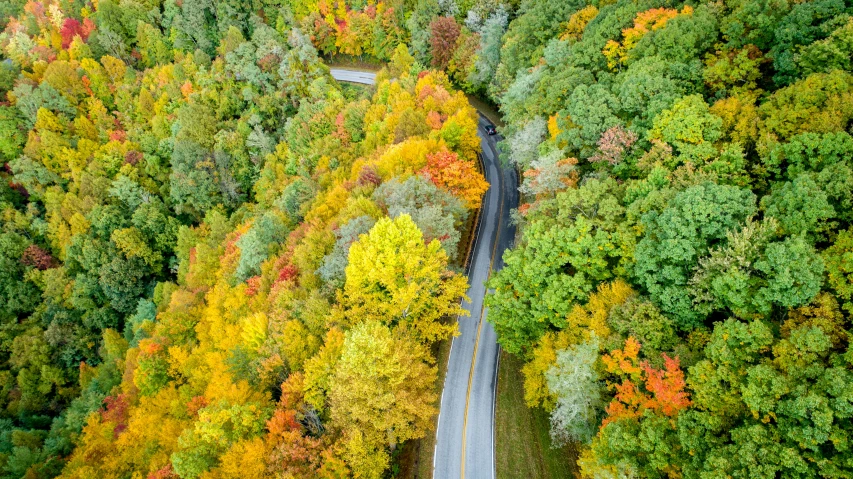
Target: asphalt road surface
[(353, 76), (466, 422)]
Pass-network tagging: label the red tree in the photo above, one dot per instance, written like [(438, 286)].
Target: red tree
[(444, 33), (37, 257), (71, 28)]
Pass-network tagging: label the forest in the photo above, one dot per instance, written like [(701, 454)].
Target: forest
[(218, 262)]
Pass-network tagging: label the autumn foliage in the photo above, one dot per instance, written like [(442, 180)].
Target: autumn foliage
[(444, 31), (660, 391), (460, 177), (213, 256), (195, 252), (645, 22)]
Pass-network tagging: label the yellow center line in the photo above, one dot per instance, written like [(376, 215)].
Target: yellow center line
[(480, 321)]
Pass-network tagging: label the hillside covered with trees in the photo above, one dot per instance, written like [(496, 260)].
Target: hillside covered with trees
[(683, 285), (217, 262)]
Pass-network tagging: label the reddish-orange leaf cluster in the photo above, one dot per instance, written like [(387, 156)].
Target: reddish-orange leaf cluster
[(253, 285), (118, 135), (658, 390), (72, 27), (340, 129), (288, 273), (292, 451), (434, 120), (149, 347), (37, 257), (195, 404), (165, 472), (667, 386), (87, 85), (116, 411), (447, 171), (568, 176)]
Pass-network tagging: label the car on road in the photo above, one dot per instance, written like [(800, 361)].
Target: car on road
[(491, 130)]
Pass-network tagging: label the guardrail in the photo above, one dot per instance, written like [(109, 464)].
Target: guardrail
[(477, 220)]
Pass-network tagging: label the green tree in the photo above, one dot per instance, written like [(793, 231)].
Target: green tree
[(801, 206), (257, 244), (436, 212), (488, 56), (535, 24), (334, 264), (804, 24), (828, 54), (648, 87), (808, 152), (818, 103), (570, 245), (694, 221), (17, 295), (839, 268), (591, 110), (767, 407), (418, 24), (639, 318), (690, 128), (575, 383), (757, 272), (12, 136), (219, 426), (192, 184)]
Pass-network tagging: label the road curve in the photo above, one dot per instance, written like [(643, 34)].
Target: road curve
[(465, 434)]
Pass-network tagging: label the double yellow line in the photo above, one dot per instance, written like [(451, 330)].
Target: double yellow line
[(482, 313)]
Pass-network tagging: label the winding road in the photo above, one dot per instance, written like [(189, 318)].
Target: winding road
[(466, 423)]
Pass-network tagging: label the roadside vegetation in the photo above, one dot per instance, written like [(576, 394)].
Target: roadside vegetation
[(523, 445)]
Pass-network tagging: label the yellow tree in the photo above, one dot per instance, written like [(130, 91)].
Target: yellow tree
[(319, 369), (395, 278), (382, 393)]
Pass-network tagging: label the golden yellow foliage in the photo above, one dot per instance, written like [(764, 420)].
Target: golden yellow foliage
[(544, 356), (645, 22), (382, 394), (741, 122), (319, 369), (395, 278), (405, 158), (243, 460), (573, 29), (591, 318)]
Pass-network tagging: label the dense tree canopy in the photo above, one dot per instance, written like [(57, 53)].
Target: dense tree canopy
[(217, 262), (202, 234), (682, 298)]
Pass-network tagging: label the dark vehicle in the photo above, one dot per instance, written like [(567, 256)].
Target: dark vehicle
[(491, 130)]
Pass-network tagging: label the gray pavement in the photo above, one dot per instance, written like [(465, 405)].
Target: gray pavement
[(465, 434), (353, 76)]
